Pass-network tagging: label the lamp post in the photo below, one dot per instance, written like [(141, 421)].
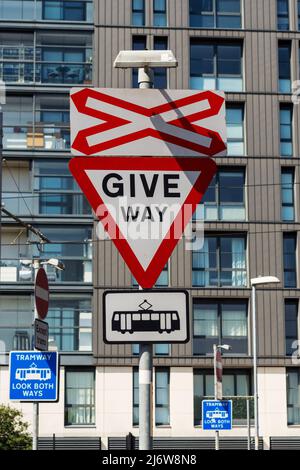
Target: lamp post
[(145, 61), (218, 392), (257, 281)]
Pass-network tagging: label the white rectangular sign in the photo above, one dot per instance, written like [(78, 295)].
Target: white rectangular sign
[(148, 316), (147, 122), (41, 335)]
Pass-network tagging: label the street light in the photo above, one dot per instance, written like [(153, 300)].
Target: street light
[(145, 61), (257, 281)]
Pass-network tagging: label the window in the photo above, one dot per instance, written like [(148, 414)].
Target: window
[(215, 14), (138, 43), (160, 73), (293, 396), (162, 398), (291, 325), (284, 67), (225, 197), (159, 349), (235, 130), (15, 322), (286, 130), (70, 323), (287, 195), (235, 383), (58, 192), (65, 10), (160, 13), (138, 12), (289, 260), (66, 65), (220, 323), (283, 15), (216, 66), (17, 9), (79, 397), (135, 397), (37, 122), (220, 262), (73, 248)]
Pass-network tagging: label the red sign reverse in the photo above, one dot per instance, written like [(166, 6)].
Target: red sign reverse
[(41, 293), (144, 204)]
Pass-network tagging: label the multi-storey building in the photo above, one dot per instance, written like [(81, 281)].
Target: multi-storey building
[(249, 49)]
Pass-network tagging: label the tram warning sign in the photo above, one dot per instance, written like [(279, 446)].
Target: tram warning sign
[(33, 376), (148, 316)]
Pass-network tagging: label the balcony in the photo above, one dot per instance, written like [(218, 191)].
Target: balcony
[(76, 271), (46, 64), (60, 10), (42, 137), (46, 203)]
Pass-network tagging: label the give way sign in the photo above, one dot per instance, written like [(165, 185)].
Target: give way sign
[(147, 122), (144, 204)]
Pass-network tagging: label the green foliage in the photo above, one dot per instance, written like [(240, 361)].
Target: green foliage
[(13, 430)]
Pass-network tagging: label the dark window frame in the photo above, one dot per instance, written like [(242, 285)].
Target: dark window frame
[(218, 269), (141, 11), (288, 170), (283, 140), (216, 186), (221, 339), (286, 268), (208, 373), (283, 16), (165, 370), (158, 11), (92, 407), (289, 339), (215, 14)]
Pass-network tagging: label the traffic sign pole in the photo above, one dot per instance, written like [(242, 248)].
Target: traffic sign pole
[(35, 417), (145, 78)]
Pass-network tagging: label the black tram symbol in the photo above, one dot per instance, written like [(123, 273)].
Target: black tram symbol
[(145, 319)]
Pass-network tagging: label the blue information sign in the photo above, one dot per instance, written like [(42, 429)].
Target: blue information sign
[(216, 415), (33, 376)]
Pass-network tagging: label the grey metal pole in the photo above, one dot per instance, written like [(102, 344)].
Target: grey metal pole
[(1, 169), (254, 352), (145, 79), (35, 417), (248, 425), (217, 442)]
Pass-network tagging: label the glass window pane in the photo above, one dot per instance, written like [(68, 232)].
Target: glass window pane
[(80, 397)]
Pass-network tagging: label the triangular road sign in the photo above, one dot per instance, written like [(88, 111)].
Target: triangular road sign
[(144, 203)]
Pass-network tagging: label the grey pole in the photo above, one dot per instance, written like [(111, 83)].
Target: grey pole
[(145, 79), (248, 425), (1, 169), (217, 443), (35, 417), (254, 352)]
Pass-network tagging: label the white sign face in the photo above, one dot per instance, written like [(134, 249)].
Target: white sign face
[(147, 122), (41, 335), (159, 316)]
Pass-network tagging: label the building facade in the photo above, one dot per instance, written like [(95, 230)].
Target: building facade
[(249, 49)]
